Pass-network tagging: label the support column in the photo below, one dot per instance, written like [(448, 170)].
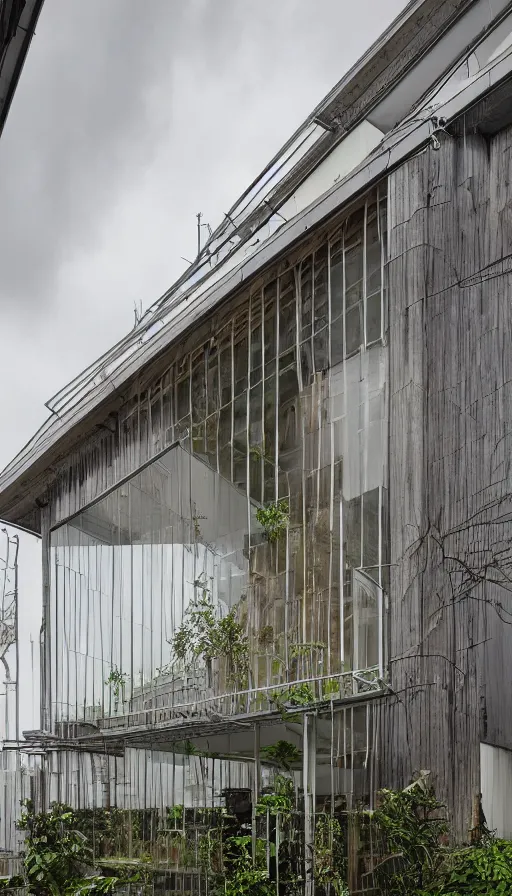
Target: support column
[(309, 786)]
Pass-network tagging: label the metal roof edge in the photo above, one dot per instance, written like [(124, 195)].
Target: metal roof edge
[(35, 461), (15, 55)]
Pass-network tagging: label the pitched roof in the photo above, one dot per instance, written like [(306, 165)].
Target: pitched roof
[(425, 46)]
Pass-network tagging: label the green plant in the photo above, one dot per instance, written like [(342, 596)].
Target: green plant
[(274, 519), (210, 851), (259, 452), (412, 823), (204, 634), (244, 876), (57, 857), (329, 863), (296, 695), (116, 680), (175, 814), (297, 650), (477, 870), (196, 519), (330, 687), (282, 753), (274, 804), (300, 695), (12, 883)]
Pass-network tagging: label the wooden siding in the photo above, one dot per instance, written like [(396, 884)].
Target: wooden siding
[(450, 217)]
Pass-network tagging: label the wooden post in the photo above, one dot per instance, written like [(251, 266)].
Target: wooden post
[(353, 852)]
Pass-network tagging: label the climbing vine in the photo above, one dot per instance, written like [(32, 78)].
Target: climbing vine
[(274, 519)]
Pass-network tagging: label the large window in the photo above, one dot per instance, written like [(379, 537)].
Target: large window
[(283, 407)]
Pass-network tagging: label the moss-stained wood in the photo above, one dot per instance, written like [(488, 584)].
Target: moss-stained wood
[(450, 435)]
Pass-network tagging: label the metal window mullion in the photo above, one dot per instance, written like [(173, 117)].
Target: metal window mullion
[(380, 593), (232, 400), (331, 434), (276, 434), (365, 287)]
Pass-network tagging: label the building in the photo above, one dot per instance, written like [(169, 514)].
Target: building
[(276, 516), (18, 19)]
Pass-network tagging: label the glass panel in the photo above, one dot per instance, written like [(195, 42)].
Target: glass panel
[(241, 348), (225, 441), (354, 325), (225, 372), (366, 601), (269, 422), (132, 569), (287, 312), (198, 388), (336, 279), (306, 298), (256, 340), (270, 335), (373, 317), (321, 294), (183, 398), (126, 567), (213, 379)]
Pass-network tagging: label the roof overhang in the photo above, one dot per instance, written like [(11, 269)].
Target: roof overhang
[(13, 52), (28, 476)]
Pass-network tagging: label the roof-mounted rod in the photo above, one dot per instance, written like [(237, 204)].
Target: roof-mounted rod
[(323, 124)]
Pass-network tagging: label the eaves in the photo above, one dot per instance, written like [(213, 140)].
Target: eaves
[(25, 478)]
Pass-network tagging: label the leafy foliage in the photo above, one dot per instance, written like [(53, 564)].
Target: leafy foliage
[(283, 753), (204, 634), (58, 859), (12, 883), (243, 877), (300, 695), (175, 814), (330, 688), (412, 823), (329, 861), (116, 680), (477, 870), (297, 650), (274, 519), (296, 695), (280, 801)]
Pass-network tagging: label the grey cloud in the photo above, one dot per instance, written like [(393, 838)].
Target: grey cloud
[(91, 65), (88, 76), (130, 117)]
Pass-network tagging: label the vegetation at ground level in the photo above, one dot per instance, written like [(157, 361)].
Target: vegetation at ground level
[(409, 834)]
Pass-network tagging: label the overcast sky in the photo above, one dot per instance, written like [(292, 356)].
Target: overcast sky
[(130, 117)]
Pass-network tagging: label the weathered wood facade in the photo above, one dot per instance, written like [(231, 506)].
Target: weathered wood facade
[(450, 422), (362, 375), (450, 311)]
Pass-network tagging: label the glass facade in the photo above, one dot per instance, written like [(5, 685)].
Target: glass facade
[(174, 589)]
